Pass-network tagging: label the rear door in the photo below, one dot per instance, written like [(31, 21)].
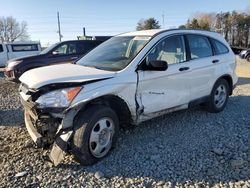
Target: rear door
[(3, 55), (160, 90), (202, 66)]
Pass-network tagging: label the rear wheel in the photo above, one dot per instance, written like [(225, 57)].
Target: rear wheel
[(96, 131), (218, 97)]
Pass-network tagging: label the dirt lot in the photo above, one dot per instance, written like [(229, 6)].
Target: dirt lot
[(186, 148)]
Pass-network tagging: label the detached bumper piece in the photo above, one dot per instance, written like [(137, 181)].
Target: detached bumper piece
[(60, 147), (36, 137)]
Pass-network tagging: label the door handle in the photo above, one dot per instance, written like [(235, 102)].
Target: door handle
[(183, 68), (215, 61), (73, 58)]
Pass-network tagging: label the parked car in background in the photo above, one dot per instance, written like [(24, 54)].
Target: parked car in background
[(17, 49), (63, 52), (131, 78), (245, 54)]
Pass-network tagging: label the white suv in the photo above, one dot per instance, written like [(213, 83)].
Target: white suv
[(128, 79)]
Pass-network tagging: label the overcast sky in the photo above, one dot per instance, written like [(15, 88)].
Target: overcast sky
[(109, 17)]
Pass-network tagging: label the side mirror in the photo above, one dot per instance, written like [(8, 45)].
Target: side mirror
[(55, 53), (157, 65)]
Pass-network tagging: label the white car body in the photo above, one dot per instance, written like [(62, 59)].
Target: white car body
[(14, 50), (147, 94)]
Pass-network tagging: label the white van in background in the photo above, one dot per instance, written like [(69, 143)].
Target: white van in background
[(18, 49)]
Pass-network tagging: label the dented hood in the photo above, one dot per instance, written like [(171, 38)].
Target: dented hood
[(68, 73)]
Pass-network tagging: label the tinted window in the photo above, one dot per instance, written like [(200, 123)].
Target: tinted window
[(170, 50), (1, 48), (86, 46), (199, 46), (219, 47), (24, 47), (66, 49)]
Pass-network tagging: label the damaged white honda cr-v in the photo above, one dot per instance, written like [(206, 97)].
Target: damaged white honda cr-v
[(128, 79)]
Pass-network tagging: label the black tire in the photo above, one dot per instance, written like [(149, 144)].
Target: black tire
[(248, 58), (212, 106), (83, 126)]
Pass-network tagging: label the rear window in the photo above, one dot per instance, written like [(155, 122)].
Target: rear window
[(199, 46), (24, 47), (219, 47), (1, 48)]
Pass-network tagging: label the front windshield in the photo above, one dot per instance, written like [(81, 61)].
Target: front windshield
[(46, 50), (114, 54)]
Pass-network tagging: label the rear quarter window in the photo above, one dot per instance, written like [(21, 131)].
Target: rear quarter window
[(24, 47), (199, 46), (219, 47)]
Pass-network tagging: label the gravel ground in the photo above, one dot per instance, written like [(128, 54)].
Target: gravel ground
[(183, 149)]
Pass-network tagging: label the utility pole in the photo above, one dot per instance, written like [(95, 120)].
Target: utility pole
[(84, 31), (59, 27), (163, 20)]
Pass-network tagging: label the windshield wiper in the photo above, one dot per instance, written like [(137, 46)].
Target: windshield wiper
[(92, 67)]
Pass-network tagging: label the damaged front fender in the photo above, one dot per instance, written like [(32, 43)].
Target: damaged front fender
[(63, 136)]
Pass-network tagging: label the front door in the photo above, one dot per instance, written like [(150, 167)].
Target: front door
[(161, 90), (65, 53), (202, 65)]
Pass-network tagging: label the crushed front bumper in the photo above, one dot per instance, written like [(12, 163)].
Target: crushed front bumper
[(36, 137), (60, 136)]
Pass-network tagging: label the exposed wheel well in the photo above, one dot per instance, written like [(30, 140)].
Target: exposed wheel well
[(115, 103), (229, 80)]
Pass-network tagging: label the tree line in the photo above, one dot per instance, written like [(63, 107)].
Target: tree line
[(234, 26)]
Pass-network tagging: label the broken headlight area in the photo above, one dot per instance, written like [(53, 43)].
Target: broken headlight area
[(58, 98)]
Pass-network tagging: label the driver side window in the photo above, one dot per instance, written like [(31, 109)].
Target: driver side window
[(66, 49), (171, 50)]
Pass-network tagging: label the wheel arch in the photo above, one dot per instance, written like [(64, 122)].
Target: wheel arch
[(229, 80), (116, 103)]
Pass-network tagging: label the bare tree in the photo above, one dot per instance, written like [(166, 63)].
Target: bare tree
[(150, 23), (11, 30)]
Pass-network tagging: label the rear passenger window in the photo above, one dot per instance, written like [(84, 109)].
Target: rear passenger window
[(199, 46), (219, 47), (1, 48)]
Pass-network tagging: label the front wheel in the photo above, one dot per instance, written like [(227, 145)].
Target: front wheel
[(248, 58), (96, 131), (218, 97)]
